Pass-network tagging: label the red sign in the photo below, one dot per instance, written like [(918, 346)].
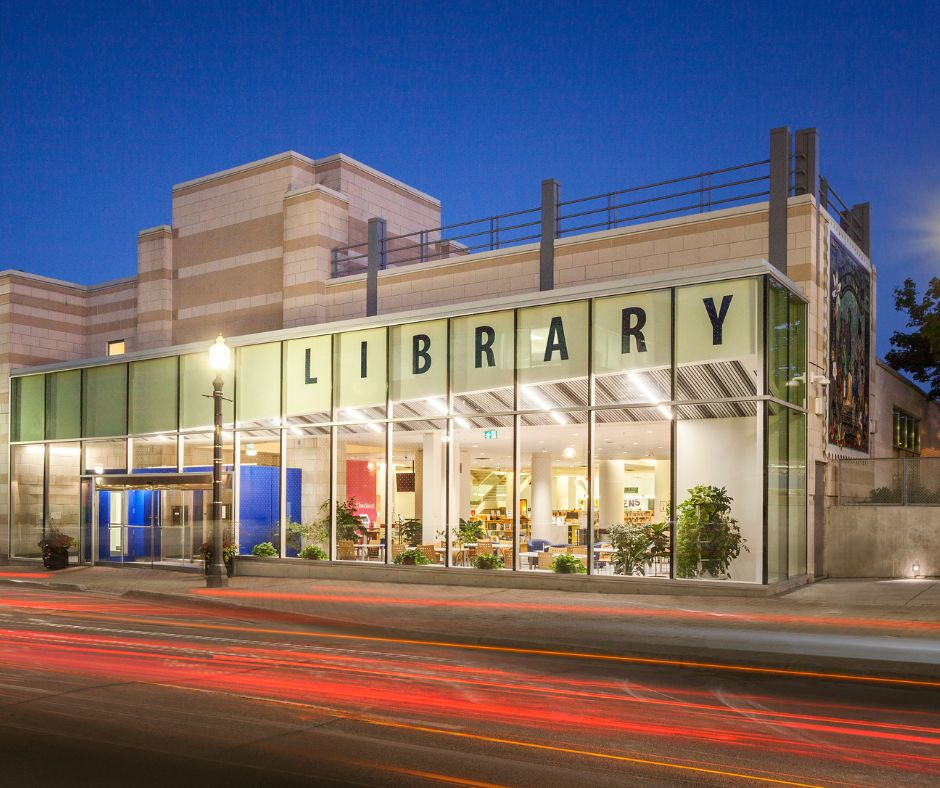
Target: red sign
[(361, 484)]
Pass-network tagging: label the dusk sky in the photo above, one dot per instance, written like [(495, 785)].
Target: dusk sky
[(106, 106)]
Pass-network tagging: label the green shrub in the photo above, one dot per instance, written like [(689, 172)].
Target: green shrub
[(313, 553), (412, 556), (265, 550), (470, 531), (488, 561), (631, 545), (567, 564), (410, 532), (708, 537)]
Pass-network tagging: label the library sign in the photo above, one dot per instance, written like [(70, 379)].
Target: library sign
[(539, 344)]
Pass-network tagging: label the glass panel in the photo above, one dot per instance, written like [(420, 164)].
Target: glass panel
[(797, 343), (259, 383), (308, 489), (154, 454), (418, 381), (196, 406), (797, 500), (633, 348), (26, 492), (482, 362), (719, 465), (360, 492), (717, 340), (64, 405), (154, 386), (631, 491), (197, 451), (552, 355), (553, 491), (778, 340), (28, 417), (778, 492), (481, 485), (104, 401), (105, 457), (259, 491), (419, 489), (308, 378), (361, 369), (64, 490)]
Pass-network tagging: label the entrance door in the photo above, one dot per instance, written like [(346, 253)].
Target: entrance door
[(152, 521)]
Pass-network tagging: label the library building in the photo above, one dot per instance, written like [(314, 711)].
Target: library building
[(670, 383)]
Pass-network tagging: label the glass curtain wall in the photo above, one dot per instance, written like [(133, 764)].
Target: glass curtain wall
[(603, 425)]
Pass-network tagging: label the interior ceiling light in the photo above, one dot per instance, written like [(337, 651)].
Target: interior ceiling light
[(251, 451), (569, 452), (649, 393), (540, 402)]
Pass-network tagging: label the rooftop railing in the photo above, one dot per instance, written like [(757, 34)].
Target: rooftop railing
[(788, 172), (690, 194)]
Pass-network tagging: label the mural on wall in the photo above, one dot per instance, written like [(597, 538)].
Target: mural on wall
[(849, 348)]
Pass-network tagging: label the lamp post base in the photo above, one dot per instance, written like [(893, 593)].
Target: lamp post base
[(215, 578)]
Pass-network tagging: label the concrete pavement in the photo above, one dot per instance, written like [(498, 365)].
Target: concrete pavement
[(868, 627)]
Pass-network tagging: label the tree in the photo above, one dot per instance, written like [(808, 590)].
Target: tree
[(918, 352)]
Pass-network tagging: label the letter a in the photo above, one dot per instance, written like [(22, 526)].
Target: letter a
[(556, 340)]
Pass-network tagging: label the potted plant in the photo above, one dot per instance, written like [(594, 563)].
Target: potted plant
[(264, 550), (412, 557), (410, 532), (314, 553), (348, 524), (299, 535), (470, 531), (229, 551), (708, 537), (568, 564), (487, 561), (631, 544), (55, 548)]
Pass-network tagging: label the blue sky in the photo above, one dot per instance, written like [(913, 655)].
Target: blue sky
[(105, 106)]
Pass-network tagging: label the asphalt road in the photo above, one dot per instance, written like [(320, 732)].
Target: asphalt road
[(101, 690)]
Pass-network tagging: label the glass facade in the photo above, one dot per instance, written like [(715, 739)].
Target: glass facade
[(588, 434)]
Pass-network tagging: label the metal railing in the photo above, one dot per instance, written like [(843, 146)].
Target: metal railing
[(690, 194), (889, 481), (837, 207), (439, 243), (699, 193)]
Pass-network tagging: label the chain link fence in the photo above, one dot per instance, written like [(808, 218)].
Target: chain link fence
[(889, 481)]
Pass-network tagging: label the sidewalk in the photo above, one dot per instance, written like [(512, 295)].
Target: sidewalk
[(867, 627)]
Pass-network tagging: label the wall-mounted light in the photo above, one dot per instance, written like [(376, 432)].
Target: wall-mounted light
[(915, 568)]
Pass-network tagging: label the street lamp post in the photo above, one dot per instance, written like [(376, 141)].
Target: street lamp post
[(216, 576)]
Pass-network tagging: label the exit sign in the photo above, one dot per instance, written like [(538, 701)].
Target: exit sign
[(490, 434)]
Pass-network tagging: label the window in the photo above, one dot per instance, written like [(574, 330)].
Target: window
[(906, 432), (116, 347)]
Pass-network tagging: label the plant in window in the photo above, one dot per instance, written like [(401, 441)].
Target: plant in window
[(347, 521), (411, 557), (487, 561), (310, 533), (708, 537), (470, 531), (567, 564), (631, 543), (410, 532), (55, 548), (264, 550), (313, 553)]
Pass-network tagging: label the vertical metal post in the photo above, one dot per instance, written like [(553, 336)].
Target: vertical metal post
[(779, 192), (860, 214), (216, 576), (551, 195), (806, 175), (377, 260)]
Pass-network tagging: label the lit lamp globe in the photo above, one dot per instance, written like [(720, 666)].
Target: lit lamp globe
[(219, 354)]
